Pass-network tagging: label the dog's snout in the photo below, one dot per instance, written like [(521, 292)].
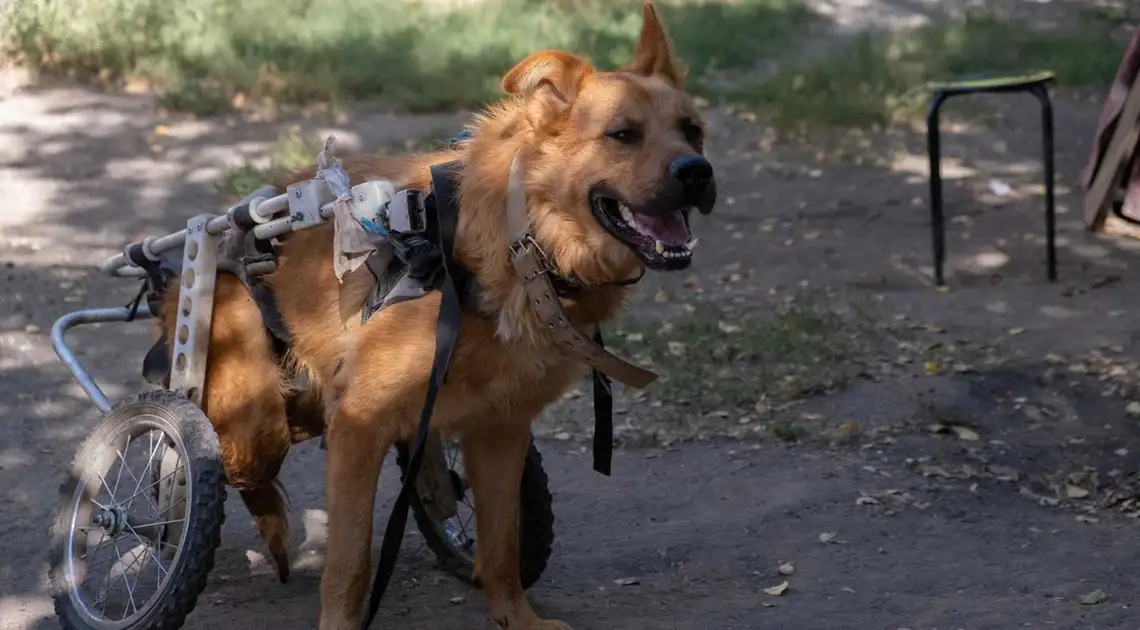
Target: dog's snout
[(694, 173)]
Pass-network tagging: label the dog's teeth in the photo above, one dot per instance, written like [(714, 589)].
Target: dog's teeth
[(660, 247), (626, 214), (692, 243)]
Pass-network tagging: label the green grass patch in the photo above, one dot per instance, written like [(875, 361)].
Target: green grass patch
[(205, 54), (291, 151), (878, 78), (710, 361)]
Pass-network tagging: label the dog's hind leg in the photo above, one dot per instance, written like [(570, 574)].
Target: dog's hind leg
[(494, 459), (269, 506), (245, 401)]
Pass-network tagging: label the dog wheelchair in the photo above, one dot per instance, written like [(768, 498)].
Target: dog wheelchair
[(154, 514)]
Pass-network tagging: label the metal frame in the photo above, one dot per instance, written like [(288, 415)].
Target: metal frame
[(933, 141), (200, 242), (65, 354)]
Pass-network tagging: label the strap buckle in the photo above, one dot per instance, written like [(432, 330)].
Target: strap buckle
[(526, 250)]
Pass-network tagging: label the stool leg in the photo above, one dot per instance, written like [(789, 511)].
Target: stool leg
[(1042, 95), (934, 152)]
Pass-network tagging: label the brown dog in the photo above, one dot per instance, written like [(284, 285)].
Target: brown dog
[(613, 166)]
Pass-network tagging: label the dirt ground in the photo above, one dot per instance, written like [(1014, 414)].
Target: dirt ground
[(978, 470)]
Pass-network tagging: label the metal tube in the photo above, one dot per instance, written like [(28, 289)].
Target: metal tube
[(118, 265), (65, 354), (264, 210)]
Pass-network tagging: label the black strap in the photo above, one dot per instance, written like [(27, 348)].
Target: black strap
[(441, 225), (603, 417)]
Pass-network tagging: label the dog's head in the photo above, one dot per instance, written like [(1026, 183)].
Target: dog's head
[(616, 158)]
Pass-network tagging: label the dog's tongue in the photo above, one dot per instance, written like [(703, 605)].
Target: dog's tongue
[(670, 229)]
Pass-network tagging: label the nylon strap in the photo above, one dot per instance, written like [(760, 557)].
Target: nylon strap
[(441, 225)]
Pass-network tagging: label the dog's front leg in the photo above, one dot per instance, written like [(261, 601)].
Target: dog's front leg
[(494, 459), (358, 438)]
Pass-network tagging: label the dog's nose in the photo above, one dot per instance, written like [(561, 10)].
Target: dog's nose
[(695, 174)]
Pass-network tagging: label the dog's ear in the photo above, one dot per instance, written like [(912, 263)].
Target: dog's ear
[(653, 55), (551, 79)]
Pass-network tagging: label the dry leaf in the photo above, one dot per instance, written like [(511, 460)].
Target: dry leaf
[(866, 500), (778, 589), (457, 600), (725, 327), (1093, 598), (661, 296), (1075, 492), (965, 433), (828, 537), (627, 581)]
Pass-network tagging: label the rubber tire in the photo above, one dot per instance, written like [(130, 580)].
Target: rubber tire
[(203, 520), (536, 523)]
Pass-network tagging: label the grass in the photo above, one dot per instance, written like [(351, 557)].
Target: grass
[(207, 55), (877, 78), (291, 151), (711, 362)]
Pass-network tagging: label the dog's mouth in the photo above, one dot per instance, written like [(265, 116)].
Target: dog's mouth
[(661, 239)]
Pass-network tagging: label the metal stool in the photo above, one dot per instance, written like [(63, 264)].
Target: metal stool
[(1035, 84)]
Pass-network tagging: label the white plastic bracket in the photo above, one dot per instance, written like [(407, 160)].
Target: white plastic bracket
[(195, 309), (306, 199), (370, 197)]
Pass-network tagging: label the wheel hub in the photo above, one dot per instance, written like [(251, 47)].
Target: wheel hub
[(113, 520)]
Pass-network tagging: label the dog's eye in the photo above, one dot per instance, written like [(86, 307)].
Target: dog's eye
[(692, 131), (625, 135)]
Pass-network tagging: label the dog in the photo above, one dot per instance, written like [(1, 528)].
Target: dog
[(612, 167)]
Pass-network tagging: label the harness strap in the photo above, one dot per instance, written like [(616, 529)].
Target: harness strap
[(535, 272), (441, 225)]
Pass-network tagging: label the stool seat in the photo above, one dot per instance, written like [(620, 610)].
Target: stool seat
[(990, 82)]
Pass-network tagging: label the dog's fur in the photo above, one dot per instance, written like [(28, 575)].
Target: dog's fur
[(369, 380)]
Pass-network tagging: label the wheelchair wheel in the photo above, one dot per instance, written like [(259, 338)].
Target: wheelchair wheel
[(453, 540), (139, 517)]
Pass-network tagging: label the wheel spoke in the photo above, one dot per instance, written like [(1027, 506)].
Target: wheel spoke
[(153, 448), (156, 482), (146, 545), (119, 475)]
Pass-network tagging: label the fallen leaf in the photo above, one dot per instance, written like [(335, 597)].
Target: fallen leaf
[(727, 328), (866, 500), (828, 537), (457, 600), (661, 296), (1075, 492), (1093, 598), (965, 433), (1016, 331), (627, 581), (161, 130), (778, 589), (786, 569)]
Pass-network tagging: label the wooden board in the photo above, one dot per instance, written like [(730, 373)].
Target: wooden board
[(1098, 199)]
